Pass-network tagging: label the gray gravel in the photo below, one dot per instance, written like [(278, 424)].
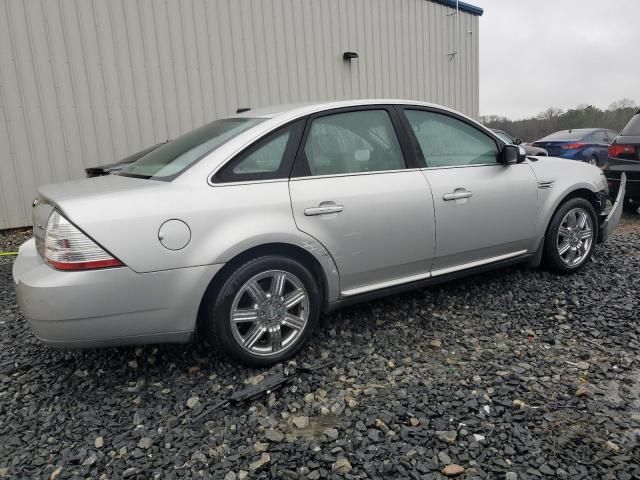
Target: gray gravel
[(518, 374), (10, 240)]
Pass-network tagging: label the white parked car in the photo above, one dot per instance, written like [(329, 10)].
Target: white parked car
[(251, 226)]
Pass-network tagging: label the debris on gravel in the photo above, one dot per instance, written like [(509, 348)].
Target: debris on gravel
[(532, 376)]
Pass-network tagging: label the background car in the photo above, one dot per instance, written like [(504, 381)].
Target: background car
[(624, 156), (530, 149), (584, 144)]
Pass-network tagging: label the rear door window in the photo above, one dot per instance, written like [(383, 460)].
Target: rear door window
[(611, 135), (598, 137), (353, 142)]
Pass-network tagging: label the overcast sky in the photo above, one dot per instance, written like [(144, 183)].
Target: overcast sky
[(536, 54)]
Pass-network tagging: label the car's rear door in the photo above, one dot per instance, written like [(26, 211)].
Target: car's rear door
[(485, 211), (352, 190)]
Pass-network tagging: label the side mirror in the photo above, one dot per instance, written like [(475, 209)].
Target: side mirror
[(513, 154), (517, 141)]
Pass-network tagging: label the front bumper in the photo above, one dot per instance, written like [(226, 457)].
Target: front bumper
[(611, 221), (114, 306)]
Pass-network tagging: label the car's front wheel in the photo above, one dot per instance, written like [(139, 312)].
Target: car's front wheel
[(264, 311), (571, 236)]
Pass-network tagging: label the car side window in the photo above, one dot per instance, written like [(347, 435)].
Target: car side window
[(353, 142), (598, 137), (266, 159), (447, 142)]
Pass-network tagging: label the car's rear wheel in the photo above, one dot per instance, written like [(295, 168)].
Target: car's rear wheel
[(593, 160), (264, 311), (571, 236)]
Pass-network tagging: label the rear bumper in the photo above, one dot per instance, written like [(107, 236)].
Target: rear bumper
[(114, 306), (608, 225)]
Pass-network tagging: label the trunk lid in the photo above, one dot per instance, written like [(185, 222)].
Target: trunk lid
[(55, 195)]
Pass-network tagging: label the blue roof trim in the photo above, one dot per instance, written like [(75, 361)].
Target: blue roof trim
[(465, 7)]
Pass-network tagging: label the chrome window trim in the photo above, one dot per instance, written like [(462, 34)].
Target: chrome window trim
[(312, 177), (352, 174), (246, 182), (465, 166)]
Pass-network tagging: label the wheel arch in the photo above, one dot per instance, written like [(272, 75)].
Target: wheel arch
[(322, 269), (581, 192)]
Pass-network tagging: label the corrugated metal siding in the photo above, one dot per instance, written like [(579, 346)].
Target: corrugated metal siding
[(86, 82)]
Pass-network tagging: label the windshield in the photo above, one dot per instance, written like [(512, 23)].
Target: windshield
[(566, 136), (504, 137), (171, 159)]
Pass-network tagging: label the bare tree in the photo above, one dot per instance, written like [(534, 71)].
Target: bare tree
[(623, 103), (555, 119)]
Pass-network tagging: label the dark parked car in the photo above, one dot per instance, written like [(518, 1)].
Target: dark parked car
[(584, 144), (624, 156), (531, 150)]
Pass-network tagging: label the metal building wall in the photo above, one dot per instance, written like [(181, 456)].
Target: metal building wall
[(86, 82)]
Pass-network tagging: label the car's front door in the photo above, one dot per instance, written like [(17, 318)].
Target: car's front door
[(485, 211), (352, 190)]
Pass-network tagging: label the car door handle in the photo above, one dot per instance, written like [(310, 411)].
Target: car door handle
[(323, 210), (457, 194)]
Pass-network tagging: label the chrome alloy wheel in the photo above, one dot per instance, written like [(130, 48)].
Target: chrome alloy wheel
[(575, 237), (269, 312)]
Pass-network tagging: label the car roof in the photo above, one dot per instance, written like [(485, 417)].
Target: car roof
[(300, 109)]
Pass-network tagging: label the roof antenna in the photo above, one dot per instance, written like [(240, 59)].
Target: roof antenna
[(243, 109)]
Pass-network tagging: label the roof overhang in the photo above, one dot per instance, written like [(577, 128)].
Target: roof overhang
[(463, 6)]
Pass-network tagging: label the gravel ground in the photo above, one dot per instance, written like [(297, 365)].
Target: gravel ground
[(518, 374)]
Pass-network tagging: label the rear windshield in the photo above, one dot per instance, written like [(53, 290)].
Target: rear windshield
[(565, 136), (171, 159), (633, 127)]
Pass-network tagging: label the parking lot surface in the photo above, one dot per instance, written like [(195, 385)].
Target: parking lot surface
[(515, 374)]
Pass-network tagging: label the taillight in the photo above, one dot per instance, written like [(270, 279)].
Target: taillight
[(620, 149), (572, 146), (67, 248)]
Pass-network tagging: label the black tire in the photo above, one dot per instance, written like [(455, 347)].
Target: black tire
[(551, 257), (217, 324), (594, 161)]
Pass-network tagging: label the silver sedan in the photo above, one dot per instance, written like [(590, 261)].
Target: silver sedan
[(250, 227)]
